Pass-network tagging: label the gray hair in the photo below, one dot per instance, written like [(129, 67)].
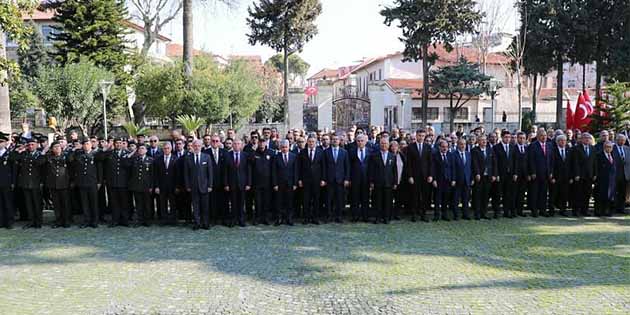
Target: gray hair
[(197, 141), (284, 142), (167, 144), (362, 137), (561, 137), (587, 135), (621, 136)]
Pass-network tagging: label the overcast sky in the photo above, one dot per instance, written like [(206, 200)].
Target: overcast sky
[(348, 31)]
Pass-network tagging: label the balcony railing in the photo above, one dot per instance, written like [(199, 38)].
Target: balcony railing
[(350, 92)]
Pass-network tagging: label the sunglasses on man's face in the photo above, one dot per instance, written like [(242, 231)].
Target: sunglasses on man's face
[(215, 140), (152, 141)]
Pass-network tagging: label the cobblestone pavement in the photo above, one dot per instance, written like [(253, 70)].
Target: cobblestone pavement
[(521, 266)]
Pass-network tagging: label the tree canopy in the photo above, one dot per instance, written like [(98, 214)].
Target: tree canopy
[(427, 23), (459, 83)]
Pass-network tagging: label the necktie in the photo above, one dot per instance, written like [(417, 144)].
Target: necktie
[(507, 150), (238, 160), (216, 156), (443, 157), (361, 155), (484, 153), (544, 148), (286, 160), (610, 158), (562, 153), (197, 159), (522, 149), (621, 153), (384, 158), (166, 161), (587, 153), (463, 157), (311, 154), (335, 155)]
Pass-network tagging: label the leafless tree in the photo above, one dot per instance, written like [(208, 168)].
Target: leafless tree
[(497, 13), (154, 14)]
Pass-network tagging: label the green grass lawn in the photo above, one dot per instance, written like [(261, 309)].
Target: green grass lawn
[(520, 266)]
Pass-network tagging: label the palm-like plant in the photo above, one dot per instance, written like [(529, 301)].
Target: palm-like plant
[(134, 130), (190, 123)]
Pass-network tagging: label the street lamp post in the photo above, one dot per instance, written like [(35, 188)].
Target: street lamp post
[(105, 88), (492, 90)]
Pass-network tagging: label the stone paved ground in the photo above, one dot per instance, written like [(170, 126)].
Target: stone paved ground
[(522, 266)]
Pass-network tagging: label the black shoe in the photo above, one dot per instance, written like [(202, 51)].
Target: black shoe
[(94, 226), (435, 219), (375, 222), (277, 223), (205, 227), (195, 227), (9, 227), (83, 226), (315, 222), (485, 217), (112, 225), (466, 218), (447, 219), (65, 226), (55, 226), (290, 223), (241, 224), (385, 221), (338, 221), (413, 218)]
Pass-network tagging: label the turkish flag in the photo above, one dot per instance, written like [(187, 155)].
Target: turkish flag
[(588, 101), (570, 124), (581, 119), (310, 90)]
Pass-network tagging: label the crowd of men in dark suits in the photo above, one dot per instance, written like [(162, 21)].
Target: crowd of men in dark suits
[(264, 178)]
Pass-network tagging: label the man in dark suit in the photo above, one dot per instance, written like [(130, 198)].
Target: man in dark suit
[(506, 162), (337, 178), (312, 170), (30, 180), (462, 177), (540, 171), (182, 196), (8, 172), (419, 157), (584, 173), (442, 180), (88, 175), (484, 174), (237, 180), (141, 184), (166, 183), (58, 184), (383, 179), (521, 173), (198, 180), (621, 154), (261, 182), (359, 181), (219, 198), (562, 178), (154, 147), (606, 170), (116, 178), (285, 174)]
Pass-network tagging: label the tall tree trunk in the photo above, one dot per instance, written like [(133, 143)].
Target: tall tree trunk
[(559, 95), (534, 99), (286, 86), (188, 39), (583, 76), (5, 109), (598, 84), (425, 83), (451, 119)]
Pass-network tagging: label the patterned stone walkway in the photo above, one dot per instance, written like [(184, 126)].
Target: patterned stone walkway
[(521, 266)]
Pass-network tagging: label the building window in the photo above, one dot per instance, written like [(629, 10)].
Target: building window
[(395, 115), (47, 31), (433, 113), (571, 84), (380, 74), (371, 77)]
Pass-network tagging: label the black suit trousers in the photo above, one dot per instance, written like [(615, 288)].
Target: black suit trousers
[(481, 195), (336, 199), (168, 206), (7, 209), (33, 204), (144, 206), (237, 199), (119, 205), (201, 212), (62, 205), (382, 202), (311, 200), (89, 204), (263, 203)]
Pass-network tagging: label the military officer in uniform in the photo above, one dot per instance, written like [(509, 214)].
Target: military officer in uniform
[(58, 184), (7, 183), (116, 178), (29, 179), (141, 184), (88, 175)]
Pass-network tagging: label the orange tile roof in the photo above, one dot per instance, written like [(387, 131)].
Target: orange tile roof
[(325, 73)]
